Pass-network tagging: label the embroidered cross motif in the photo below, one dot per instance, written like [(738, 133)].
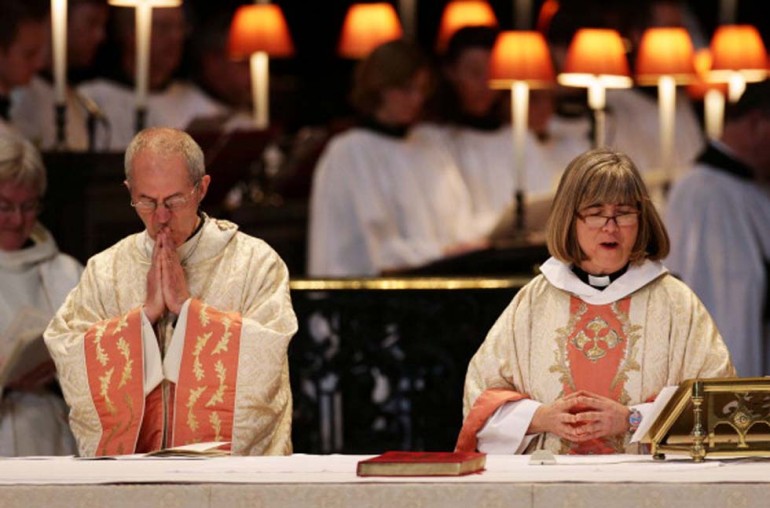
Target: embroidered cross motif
[(598, 331)]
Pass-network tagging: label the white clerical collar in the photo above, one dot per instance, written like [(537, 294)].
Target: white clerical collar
[(561, 276), (601, 281)]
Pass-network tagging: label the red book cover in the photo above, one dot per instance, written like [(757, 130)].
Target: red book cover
[(395, 463)]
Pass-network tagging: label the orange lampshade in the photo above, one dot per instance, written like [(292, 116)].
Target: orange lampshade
[(698, 88), (367, 26), (151, 3), (547, 11), (259, 27), (520, 55), (665, 52), (596, 54), (738, 48), (460, 13)]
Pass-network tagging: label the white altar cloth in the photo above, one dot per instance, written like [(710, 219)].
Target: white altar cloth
[(331, 469)]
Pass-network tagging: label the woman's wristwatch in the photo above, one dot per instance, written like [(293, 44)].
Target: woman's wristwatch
[(634, 419)]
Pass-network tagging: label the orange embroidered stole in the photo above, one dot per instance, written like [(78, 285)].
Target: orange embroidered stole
[(597, 339), (114, 362), (200, 406), (205, 393)]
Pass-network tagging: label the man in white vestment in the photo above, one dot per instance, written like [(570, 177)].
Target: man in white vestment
[(575, 361), (178, 334), (34, 281), (719, 219), (171, 102)]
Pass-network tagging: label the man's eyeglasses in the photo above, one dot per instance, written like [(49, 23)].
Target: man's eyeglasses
[(28, 208), (598, 221), (147, 205)]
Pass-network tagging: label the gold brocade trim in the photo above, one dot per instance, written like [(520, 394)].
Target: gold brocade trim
[(104, 390), (192, 399), (121, 324), (125, 351), (596, 326), (633, 334), (562, 338), (224, 341), (216, 424), (200, 343), (219, 395), (203, 316), (101, 356)]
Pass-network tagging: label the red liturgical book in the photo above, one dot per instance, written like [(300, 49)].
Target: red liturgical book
[(422, 464)]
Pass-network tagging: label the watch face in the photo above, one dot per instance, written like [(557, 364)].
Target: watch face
[(634, 419)]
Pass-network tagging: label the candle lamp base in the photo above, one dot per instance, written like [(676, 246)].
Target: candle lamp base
[(60, 113), (140, 119)]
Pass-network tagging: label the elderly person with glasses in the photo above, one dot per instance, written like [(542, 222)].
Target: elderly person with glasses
[(573, 363), (34, 281), (177, 334)]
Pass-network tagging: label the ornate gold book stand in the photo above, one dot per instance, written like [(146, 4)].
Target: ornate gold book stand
[(714, 418)]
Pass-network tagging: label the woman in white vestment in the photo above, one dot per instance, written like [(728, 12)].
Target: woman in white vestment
[(35, 278), (575, 361), (384, 198)]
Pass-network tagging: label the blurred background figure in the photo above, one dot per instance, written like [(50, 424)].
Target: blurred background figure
[(472, 122), (172, 101), (33, 110), (634, 112), (227, 82), (24, 33), (718, 216), (384, 198), (35, 278)]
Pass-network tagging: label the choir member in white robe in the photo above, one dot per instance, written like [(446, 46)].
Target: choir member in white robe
[(23, 36), (171, 102), (178, 334), (471, 121), (383, 197), (33, 109), (633, 127), (719, 219), (577, 357), (34, 281)]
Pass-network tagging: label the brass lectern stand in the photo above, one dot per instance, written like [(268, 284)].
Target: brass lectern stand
[(714, 418)]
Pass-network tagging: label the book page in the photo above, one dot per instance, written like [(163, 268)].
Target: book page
[(21, 344), (657, 407)]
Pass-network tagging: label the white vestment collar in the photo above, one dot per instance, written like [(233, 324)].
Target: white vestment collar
[(43, 248), (561, 276), (207, 242)]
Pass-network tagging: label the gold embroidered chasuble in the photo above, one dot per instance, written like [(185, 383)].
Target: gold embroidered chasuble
[(133, 388), (550, 342)]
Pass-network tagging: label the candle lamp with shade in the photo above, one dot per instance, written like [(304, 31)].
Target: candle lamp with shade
[(258, 32), (711, 94), (520, 61), (738, 56), (59, 43), (142, 65), (665, 59), (366, 26), (596, 60), (460, 13)]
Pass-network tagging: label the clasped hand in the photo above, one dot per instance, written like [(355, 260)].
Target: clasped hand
[(581, 416), (166, 283)]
